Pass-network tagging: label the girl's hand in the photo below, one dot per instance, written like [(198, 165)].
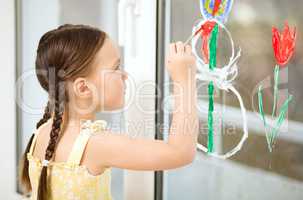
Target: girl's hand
[(180, 62)]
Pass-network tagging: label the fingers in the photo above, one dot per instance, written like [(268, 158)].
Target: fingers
[(172, 48), (180, 47), (188, 49)]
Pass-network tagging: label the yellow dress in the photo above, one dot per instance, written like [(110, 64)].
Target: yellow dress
[(69, 180)]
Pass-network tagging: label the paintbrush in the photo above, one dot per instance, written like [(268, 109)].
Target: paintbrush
[(189, 39)]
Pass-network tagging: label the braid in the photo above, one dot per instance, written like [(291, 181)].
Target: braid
[(59, 103), (46, 115), (23, 170)]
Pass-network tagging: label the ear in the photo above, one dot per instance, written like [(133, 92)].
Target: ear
[(81, 88)]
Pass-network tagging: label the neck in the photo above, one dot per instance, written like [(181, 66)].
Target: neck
[(73, 117)]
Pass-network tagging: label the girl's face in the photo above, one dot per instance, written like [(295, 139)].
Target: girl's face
[(107, 78)]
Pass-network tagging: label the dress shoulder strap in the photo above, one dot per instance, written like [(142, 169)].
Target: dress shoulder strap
[(87, 128), (36, 132)]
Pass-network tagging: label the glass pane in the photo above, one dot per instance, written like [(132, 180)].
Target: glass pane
[(254, 172)]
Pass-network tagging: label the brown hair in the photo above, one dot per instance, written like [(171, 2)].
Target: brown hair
[(63, 54)]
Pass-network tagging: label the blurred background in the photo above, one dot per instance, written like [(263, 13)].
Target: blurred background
[(143, 30)]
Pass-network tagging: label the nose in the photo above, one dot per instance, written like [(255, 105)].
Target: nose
[(124, 76)]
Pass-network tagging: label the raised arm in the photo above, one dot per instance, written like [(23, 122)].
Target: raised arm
[(122, 151)]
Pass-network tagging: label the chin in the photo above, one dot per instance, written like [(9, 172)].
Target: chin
[(120, 106)]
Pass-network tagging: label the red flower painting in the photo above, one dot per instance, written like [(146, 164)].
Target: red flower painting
[(283, 44)]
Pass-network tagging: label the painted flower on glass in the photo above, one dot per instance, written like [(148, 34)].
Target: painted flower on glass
[(283, 44), (216, 9)]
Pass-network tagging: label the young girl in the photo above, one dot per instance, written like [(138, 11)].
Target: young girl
[(71, 153)]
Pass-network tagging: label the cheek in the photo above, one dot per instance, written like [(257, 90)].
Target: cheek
[(113, 88)]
